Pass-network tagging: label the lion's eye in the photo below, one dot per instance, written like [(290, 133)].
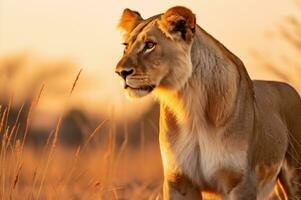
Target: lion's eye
[(149, 45), (125, 46)]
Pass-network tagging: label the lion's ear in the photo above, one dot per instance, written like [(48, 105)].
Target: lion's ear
[(129, 20), (180, 21)]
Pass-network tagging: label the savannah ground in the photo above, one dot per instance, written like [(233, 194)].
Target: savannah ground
[(96, 169)]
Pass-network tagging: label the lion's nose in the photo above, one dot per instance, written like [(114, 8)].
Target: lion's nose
[(125, 72)]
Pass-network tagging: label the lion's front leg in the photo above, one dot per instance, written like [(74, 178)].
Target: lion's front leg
[(177, 187), (245, 190)]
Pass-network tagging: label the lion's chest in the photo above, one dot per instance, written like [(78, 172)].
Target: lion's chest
[(201, 156)]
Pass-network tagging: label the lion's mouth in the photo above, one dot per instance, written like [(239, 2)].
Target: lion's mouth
[(147, 88)]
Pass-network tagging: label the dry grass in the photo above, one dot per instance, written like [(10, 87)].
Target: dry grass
[(103, 170), (74, 174)]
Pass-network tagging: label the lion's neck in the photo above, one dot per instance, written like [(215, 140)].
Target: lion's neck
[(209, 95)]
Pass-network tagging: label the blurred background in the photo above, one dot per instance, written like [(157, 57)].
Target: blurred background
[(43, 46)]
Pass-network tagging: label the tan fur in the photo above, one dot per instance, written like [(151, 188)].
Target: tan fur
[(219, 131), (172, 16), (129, 20)]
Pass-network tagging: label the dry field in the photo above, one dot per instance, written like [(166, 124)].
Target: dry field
[(102, 170), (106, 168)]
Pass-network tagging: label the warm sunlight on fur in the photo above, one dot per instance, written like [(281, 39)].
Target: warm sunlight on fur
[(145, 46), (279, 191), (211, 196), (219, 130)]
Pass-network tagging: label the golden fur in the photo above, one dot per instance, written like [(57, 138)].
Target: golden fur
[(219, 131)]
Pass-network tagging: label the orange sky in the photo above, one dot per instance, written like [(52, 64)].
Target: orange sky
[(85, 31)]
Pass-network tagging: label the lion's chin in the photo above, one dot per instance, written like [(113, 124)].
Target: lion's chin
[(138, 92)]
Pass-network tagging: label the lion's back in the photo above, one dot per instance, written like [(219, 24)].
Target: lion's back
[(274, 96)]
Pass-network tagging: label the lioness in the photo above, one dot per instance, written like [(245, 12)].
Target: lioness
[(220, 132)]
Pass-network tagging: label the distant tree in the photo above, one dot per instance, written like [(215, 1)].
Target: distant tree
[(21, 80)]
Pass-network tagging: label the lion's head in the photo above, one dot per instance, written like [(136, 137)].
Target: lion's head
[(157, 50)]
